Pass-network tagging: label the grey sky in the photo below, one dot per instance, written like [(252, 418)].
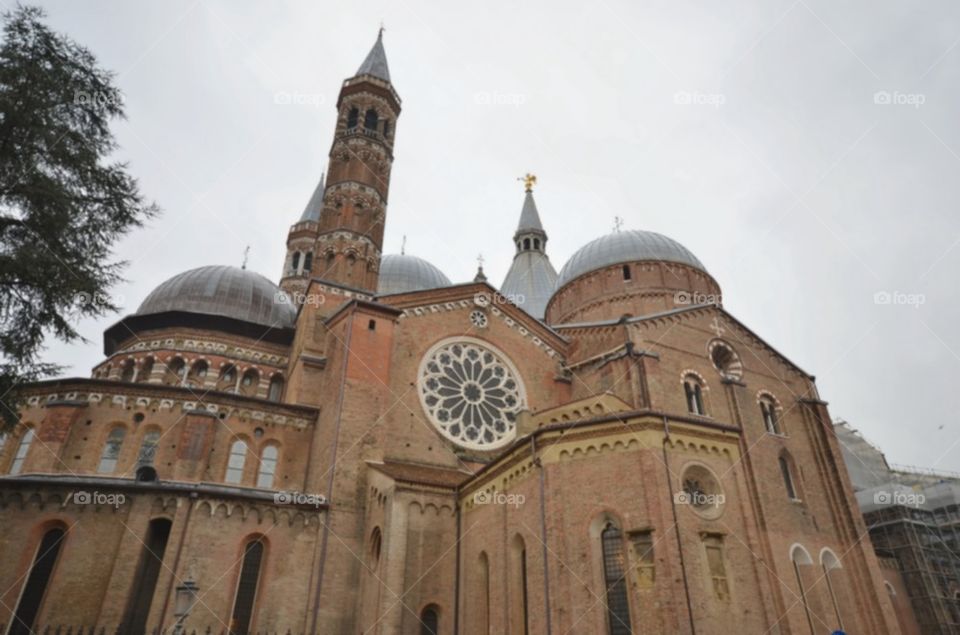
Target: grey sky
[(748, 131)]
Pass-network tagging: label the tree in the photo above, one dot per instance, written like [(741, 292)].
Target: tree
[(63, 203)]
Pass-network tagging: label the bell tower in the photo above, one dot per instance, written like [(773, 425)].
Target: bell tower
[(351, 220)]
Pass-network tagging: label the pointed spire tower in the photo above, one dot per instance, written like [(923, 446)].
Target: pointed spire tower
[(531, 279), (339, 237)]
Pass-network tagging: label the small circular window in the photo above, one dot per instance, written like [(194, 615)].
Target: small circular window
[(478, 319), (471, 393), (701, 492)]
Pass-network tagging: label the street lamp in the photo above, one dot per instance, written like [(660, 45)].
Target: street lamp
[(186, 598)]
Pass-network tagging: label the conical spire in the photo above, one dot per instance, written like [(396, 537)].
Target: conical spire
[(376, 62), (312, 211), (529, 216)]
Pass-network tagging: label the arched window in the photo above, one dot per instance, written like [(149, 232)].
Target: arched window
[(276, 388), (483, 573), (111, 451), (526, 244), (693, 390), (146, 369), (370, 119), (175, 372), (520, 611), (238, 457), (307, 262), (228, 379), (615, 580), (247, 584), (198, 373), (295, 262), (146, 575), (376, 540), (268, 466), (250, 381), (31, 597), (430, 620), (787, 474), (22, 451), (536, 243), (353, 117), (331, 258), (801, 558), (129, 371), (627, 275), (768, 408), (830, 562), (148, 448)]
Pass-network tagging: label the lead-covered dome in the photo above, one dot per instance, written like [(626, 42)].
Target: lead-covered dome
[(630, 245), (227, 291), (402, 273)]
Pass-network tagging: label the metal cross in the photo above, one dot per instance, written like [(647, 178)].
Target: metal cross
[(617, 223), (480, 260), (246, 256)]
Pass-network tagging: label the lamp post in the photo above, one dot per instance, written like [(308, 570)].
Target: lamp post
[(186, 598)]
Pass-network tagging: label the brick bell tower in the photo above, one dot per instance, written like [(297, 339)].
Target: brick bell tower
[(345, 217)]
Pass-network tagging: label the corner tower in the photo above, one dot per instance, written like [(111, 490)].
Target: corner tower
[(345, 216)]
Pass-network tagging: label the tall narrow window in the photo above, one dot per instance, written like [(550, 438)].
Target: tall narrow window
[(829, 562), (370, 119), (238, 456), (276, 388), (787, 477), (627, 276), (145, 578), (111, 451), (353, 117), (146, 369), (37, 582), (247, 588), (520, 600), (430, 621), (268, 466), (22, 451), (769, 411), (614, 578), (307, 262), (129, 370), (148, 448), (801, 558), (694, 394), (483, 573), (295, 263), (713, 545)]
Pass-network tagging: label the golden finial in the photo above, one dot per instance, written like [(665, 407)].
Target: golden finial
[(529, 180)]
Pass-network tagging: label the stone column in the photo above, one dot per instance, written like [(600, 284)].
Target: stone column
[(395, 561)]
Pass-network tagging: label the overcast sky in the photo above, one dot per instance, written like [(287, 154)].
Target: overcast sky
[(752, 132)]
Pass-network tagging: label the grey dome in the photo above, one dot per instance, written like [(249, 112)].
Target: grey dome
[(401, 273), (228, 291), (625, 246)]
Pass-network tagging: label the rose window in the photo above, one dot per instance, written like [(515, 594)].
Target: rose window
[(471, 393)]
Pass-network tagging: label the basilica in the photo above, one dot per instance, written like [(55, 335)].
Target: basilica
[(364, 446)]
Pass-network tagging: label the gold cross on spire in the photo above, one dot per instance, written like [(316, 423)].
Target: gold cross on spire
[(529, 180)]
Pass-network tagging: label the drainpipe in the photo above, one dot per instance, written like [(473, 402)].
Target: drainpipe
[(456, 577), (676, 523), (333, 471), (543, 530)]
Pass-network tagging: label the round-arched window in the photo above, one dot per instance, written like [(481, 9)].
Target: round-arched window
[(471, 392)]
